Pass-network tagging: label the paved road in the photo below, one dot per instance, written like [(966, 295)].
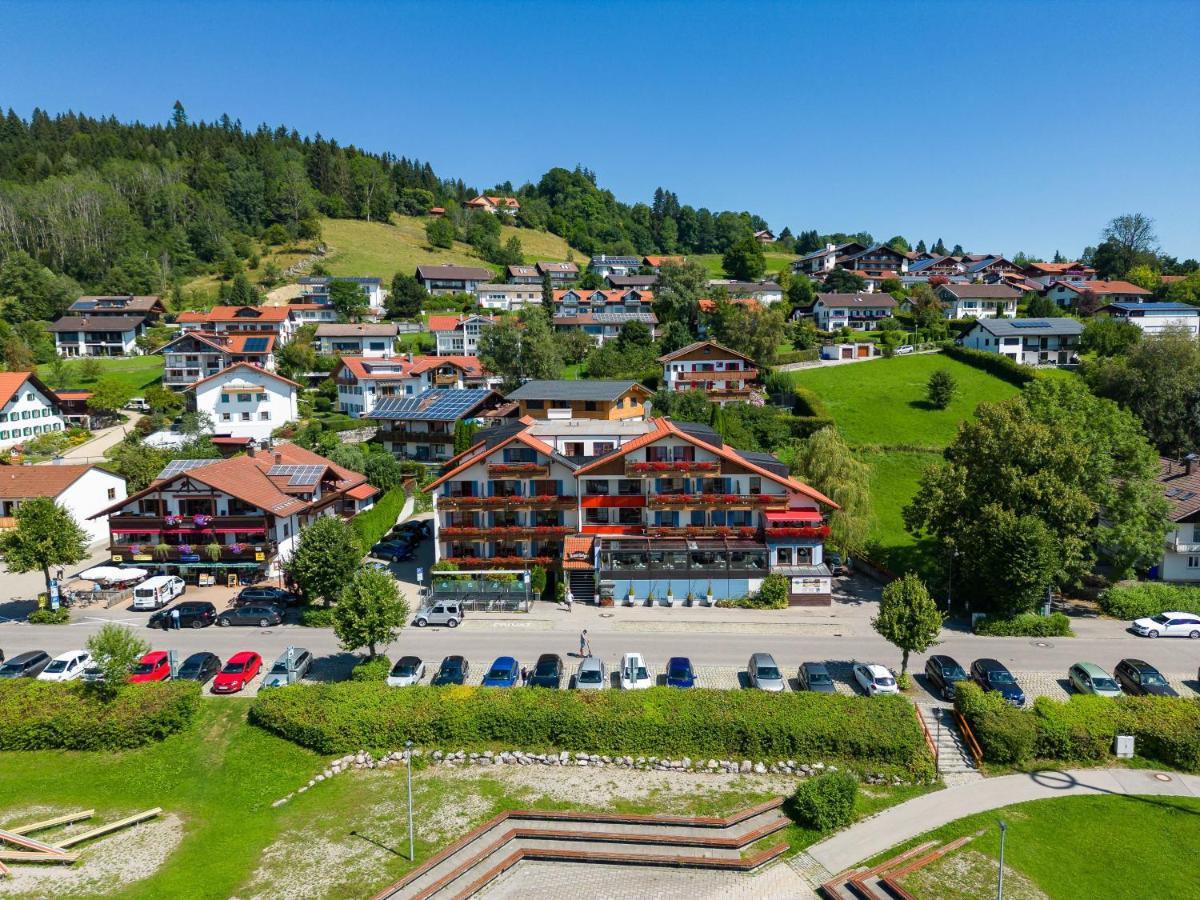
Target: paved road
[(101, 440)]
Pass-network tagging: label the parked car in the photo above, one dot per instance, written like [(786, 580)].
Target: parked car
[(763, 674), (875, 679), (448, 613), (25, 665), (199, 667), (192, 614), (453, 670), (414, 531), (293, 664), (269, 596), (592, 674), (634, 674), (836, 565), (66, 666), (154, 666), (905, 349), (393, 551), (1089, 678), (92, 674), (944, 673), (991, 675), (547, 672), (157, 592), (407, 671), (1140, 678), (238, 672), (680, 673), (262, 616), (1169, 624), (815, 677), (505, 672), (137, 404), (375, 565)]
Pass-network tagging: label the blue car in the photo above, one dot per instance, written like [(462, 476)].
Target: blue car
[(393, 550), (680, 673), (991, 675), (505, 672)]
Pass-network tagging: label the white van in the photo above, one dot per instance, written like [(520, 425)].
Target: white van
[(157, 592), (138, 404)]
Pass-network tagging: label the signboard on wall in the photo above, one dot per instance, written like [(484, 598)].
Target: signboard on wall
[(808, 586)]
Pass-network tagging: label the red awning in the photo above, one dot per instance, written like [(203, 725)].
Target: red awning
[(794, 515)]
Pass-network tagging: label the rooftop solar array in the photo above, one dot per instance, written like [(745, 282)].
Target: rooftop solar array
[(1029, 323), (256, 345), (298, 476), (175, 466), (436, 405)]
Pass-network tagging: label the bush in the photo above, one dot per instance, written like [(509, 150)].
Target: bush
[(1005, 734), (1026, 625), (374, 669), (795, 356), (1136, 601), (317, 617), (41, 715), (993, 363), (338, 718), (826, 802), (372, 525), (47, 616)]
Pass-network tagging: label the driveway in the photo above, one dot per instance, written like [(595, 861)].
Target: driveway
[(102, 439)]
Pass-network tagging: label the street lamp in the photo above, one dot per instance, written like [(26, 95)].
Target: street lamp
[(408, 756), (1000, 877)]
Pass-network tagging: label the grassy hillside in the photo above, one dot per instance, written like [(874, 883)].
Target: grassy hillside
[(136, 373), (776, 262)]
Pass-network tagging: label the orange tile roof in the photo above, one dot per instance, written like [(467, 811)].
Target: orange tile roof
[(707, 305), (660, 260), (257, 370), (236, 314), (237, 343), (1105, 287), (10, 383), (1053, 267), (611, 295), (27, 482), (73, 395), (363, 491), (361, 366), (450, 323)]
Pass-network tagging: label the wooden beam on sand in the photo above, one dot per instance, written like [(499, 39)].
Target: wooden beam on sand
[(106, 829), (8, 837), (32, 856), (5, 871), (67, 819)]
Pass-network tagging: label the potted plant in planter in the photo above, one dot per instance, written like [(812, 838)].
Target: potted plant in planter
[(606, 598), (162, 551), (710, 596), (629, 597), (670, 596), (691, 599), (213, 551), (650, 598)]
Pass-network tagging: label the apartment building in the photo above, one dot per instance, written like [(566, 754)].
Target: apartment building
[(610, 400), (364, 381), (421, 427), (103, 335), (458, 335), (724, 375), (195, 355), (510, 297), (263, 320), (375, 340)]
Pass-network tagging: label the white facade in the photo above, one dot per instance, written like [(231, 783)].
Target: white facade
[(28, 413), (92, 490), (1155, 318), (372, 346), (463, 339), (246, 402), (509, 297), (97, 340), (1181, 555), (859, 313)]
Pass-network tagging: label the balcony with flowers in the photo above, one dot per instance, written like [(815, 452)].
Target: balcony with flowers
[(805, 524), (654, 468), (719, 501), (518, 470), (518, 532), (538, 501)]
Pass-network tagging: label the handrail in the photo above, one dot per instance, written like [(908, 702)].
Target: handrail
[(929, 741), (972, 744)]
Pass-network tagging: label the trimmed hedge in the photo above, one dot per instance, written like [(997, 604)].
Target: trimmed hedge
[(47, 616), (1082, 729), (795, 356), (374, 669), (1026, 625), (338, 718), (42, 715), (993, 363), (827, 801), (1136, 601), (317, 617), (372, 525)]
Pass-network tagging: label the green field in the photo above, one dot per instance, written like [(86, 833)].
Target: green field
[(776, 262), (1111, 847), (136, 373)]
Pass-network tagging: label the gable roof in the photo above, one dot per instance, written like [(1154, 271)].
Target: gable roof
[(631, 281), (493, 439), (1181, 490), (98, 323), (1154, 308), (455, 273), (708, 305), (273, 314), (986, 263), (563, 268), (371, 368), (27, 482), (522, 270), (610, 295), (857, 301), (1064, 325), (745, 287), (92, 303), (683, 351), (656, 261), (435, 405), (1053, 268), (11, 382), (334, 330), (981, 291), (1104, 287), (250, 367), (452, 323), (610, 391)]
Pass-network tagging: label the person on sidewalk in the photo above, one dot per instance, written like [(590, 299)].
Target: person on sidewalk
[(585, 646), (175, 618), (570, 598)]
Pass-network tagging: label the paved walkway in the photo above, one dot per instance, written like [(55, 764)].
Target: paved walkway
[(101, 440), (908, 820)]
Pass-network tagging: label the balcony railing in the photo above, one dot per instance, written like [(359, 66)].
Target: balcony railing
[(727, 375), (697, 531), (798, 531), (538, 501), (518, 470), (198, 552), (443, 380), (718, 500), (520, 532), (133, 522), (419, 437), (498, 562), (1178, 546), (670, 467)]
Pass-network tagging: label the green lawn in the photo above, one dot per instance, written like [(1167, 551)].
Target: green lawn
[(776, 262), (894, 477), (1074, 847), (135, 372)]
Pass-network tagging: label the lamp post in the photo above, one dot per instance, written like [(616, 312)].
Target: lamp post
[(408, 757), (1000, 876)]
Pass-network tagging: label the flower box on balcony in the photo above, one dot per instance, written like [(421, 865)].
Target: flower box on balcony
[(674, 466), (799, 531), (516, 468), (717, 500)]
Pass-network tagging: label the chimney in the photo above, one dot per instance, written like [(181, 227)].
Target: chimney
[(278, 458), (1188, 462), (251, 450)]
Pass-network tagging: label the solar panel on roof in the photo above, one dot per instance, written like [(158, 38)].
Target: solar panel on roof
[(175, 466), (1172, 492), (1187, 495), (256, 345), (298, 476), (1025, 323)]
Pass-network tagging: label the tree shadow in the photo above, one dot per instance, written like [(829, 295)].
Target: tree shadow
[(336, 667), (1056, 779), (16, 610), (923, 405)]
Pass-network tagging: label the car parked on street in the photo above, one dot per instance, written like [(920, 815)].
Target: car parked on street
[(944, 673), (66, 666), (1089, 678), (680, 673), (1139, 678), (1169, 624), (192, 614), (25, 665), (505, 672), (393, 551), (262, 616), (763, 674), (453, 670), (199, 667), (875, 679), (293, 664), (238, 672), (154, 666), (446, 612), (547, 672), (634, 674), (413, 531), (991, 675), (836, 565), (592, 674), (267, 596), (815, 677), (407, 671)]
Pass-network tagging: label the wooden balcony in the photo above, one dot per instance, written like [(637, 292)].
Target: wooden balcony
[(518, 532), (720, 501), (745, 533), (419, 437), (728, 375), (532, 501), (445, 380), (518, 470), (134, 523), (197, 552)]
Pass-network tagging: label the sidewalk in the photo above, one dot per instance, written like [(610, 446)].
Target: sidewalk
[(101, 440), (908, 820)]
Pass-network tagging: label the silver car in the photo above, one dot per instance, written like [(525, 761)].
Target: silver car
[(447, 612), (592, 675), (763, 674), (290, 668)]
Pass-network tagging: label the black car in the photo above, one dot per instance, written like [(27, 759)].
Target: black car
[(192, 614), (1137, 676), (815, 677), (25, 665), (944, 673), (548, 672), (991, 675), (394, 551), (453, 670), (260, 615), (268, 595), (411, 532), (199, 667)]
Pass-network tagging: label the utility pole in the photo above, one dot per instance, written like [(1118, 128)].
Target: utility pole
[(1000, 876), (408, 756)]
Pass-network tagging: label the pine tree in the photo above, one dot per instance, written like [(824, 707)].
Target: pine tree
[(547, 296)]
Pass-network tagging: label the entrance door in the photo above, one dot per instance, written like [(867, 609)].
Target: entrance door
[(847, 353)]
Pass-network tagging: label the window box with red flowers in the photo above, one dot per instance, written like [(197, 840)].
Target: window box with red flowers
[(799, 531)]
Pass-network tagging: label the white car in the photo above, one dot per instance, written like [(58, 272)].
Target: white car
[(634, 674), (407, 671), (875, 679), (1169, 624), (66, 666)]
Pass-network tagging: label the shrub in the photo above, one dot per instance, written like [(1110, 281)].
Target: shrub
[(993, 363), (795, 356), (40, 715), (47, 616), (337, 718), (1005, 734), (826, 802), (1136, 601), (374, 669), (1026, 625), (372, 525), (941, 389), (317, 617)]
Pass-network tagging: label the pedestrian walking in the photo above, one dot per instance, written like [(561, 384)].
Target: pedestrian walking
[(585, 646), (570, 601), (175, 618), (524, 675)]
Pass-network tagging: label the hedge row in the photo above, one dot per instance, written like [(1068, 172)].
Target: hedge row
[(996, 364), (338, 718), (795, 356), (1082, 729), (1026, 625), (377, 521), (41, 715), (1136, 601)]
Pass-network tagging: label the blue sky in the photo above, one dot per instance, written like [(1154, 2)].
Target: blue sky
[(1001, 126)]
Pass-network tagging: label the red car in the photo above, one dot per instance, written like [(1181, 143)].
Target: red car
[(239, 671), (154, 666)]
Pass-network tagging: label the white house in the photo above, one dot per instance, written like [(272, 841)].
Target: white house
[(1032, 342), (1154, 318), (604, 265), (765, 292), (1180, 483), (246, 401), (860, 312), (194, 355), (315, 289), (377, 341), (98, 335), (273, 320), (509, 297), (1067, 294), (977, 301), (362, 381), (27, 408), (458, 335), (81, 490)]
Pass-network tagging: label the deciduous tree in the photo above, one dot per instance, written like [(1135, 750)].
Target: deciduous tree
[(826, 462), (370, 611), (46, 536), (115, 649), (326, 558), (908, 617), (744, 260), (348, 300)]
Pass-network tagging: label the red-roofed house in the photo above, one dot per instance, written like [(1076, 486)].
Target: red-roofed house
[(82, 490), (195, 354), (272, 320), (458, 335), (363, 381), (493, 204), (245, 401), (1067, 293), (27, 408)]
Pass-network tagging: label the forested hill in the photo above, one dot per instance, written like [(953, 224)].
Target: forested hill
[(134, 208)]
